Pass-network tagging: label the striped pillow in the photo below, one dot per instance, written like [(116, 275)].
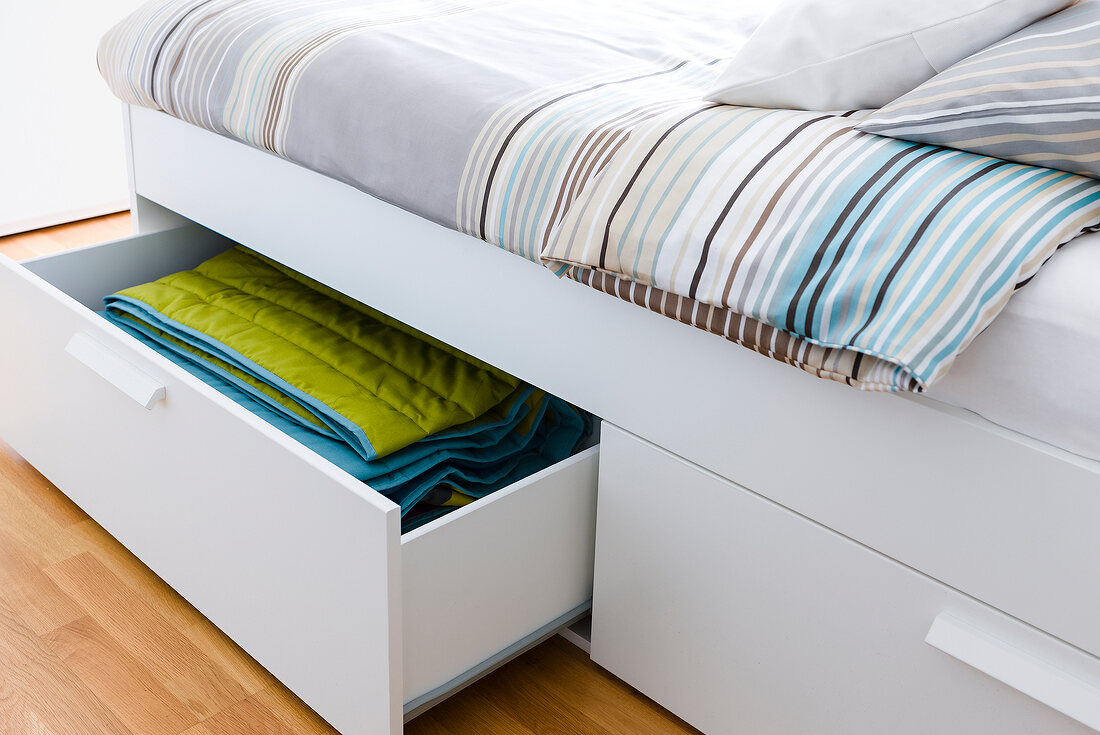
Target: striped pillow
[(1032, 98)]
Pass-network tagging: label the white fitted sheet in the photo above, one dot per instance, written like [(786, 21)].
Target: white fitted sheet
[(1034, 370)]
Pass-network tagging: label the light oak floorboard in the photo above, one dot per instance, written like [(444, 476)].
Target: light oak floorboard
[(75, 234), (38, 690), (92, 642), (118, 679)]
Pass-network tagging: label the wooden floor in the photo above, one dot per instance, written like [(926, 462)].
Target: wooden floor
[(93, 643), (55, 239)]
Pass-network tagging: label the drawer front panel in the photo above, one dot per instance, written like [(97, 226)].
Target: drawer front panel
[(743, 617), (295, 561), (489, 576)]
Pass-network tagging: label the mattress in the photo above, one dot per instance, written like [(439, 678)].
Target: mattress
[(1032, 370)]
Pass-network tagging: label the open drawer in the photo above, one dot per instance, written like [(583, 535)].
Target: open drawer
[(301, 564)]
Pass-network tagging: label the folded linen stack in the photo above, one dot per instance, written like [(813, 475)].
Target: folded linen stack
[(427, 425)]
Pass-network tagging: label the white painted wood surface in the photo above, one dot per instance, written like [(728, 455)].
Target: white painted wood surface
[(300, 563), (743, 617), (1074, 696), (489, 574), (63, 152), (293, 559), (85, 275), (104, 362), (146, 216), (1005, 518)]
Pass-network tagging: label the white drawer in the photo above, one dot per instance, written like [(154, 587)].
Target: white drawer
[(743, 617), (300, 563)]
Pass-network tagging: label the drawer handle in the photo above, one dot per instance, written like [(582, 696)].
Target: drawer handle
[(102, 361), (1019, 669)]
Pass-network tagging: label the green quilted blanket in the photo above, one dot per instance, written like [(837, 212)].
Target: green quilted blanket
[(376, 383)]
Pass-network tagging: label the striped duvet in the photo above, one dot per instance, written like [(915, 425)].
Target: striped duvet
[(574, 134)]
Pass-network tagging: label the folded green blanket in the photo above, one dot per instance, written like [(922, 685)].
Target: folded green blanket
[(420, 421), (377, 383)]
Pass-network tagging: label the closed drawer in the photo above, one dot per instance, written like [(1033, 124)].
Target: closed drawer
[(300, 563), (743, 617)]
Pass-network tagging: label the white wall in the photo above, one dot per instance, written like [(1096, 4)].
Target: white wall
[(61, 154)]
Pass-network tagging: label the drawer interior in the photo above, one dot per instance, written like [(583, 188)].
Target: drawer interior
[(88, 274)]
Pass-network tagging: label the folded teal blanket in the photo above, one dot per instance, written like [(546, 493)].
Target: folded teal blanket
[(424, 424)]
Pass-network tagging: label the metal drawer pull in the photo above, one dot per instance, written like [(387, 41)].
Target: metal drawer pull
[(1035, 677), (99, 359)]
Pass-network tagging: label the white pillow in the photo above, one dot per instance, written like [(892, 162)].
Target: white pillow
[(862, 54)]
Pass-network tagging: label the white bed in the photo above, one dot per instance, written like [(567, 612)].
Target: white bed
[(991, 513), (767, 552), (992, 521)]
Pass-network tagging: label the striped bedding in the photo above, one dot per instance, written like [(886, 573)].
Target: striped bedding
[(854, 242), (573, 133)]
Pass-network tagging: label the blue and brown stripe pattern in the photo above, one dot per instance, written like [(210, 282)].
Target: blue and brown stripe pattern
[(536, 155), (845, 366), (849, 241)]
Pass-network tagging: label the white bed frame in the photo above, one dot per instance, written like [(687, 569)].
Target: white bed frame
[(1003, 518)]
